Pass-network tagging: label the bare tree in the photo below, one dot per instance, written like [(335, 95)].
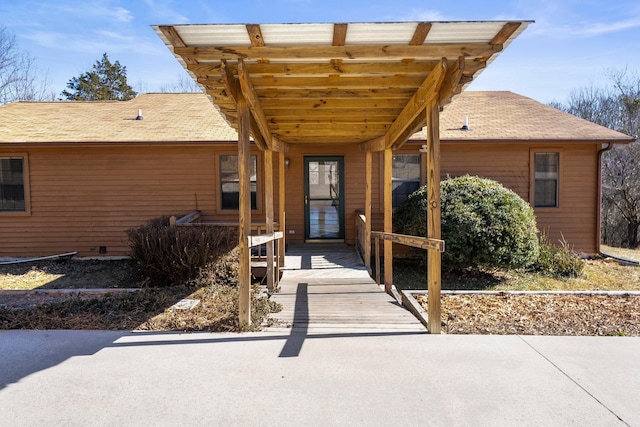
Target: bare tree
[(616, 107), (183, 85), (19, 76)]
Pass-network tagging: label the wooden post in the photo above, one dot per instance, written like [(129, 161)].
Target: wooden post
[(377, 254), (388, 220), (433, 217), (244, 219), (268, 209), (367, 212), (281, 200)]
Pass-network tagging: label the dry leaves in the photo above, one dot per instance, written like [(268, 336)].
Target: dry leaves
[(505, 314)]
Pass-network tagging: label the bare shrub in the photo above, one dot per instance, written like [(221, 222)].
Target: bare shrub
[(176, 255)]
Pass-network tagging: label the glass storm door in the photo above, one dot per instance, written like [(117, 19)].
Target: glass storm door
[(324, 198)]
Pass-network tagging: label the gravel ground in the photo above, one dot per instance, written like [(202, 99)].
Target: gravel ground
[(554, 314)]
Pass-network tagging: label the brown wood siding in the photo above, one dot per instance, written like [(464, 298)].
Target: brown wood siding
[(575, 218), (84, 198)]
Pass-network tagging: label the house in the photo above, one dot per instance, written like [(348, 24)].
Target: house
[(76, 175), (325, 105)]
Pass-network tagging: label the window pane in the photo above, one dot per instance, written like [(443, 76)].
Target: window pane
[(230, 182), (406, 176), (12, 184), (546, 167), (546, 193)]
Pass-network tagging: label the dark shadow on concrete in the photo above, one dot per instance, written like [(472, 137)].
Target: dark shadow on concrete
[(300, 325), (23, 353)]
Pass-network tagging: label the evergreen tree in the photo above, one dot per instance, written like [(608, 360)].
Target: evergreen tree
[(106, 81)]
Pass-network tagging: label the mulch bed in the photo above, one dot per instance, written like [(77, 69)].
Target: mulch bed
[(547, 314)]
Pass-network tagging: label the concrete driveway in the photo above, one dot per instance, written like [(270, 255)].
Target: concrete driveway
[(358, 377)]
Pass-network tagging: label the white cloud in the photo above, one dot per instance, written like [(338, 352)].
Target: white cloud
[(165, 11), (105, 10), (572, 20)]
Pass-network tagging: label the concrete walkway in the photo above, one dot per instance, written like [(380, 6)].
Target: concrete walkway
[(342, 363), (80, 378)]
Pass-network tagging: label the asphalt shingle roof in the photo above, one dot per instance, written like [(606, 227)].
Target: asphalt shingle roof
[(506, 116), (166, 118), (493, 116)]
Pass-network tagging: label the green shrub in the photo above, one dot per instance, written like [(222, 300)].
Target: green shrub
[(175, 255), (557, 260), (483, 224)]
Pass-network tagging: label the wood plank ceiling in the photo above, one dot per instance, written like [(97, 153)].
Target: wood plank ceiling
[(359, 83)]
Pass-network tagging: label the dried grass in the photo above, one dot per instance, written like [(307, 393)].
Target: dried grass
[(507, 314)]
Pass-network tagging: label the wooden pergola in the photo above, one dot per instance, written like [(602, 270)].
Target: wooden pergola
[(370, 84)]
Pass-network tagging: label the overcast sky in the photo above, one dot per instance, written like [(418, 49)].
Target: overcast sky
[(570, 45)]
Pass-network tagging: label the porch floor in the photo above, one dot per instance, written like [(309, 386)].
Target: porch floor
[(327, 287)]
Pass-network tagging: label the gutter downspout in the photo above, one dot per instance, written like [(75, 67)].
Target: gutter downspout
[(599, 201)]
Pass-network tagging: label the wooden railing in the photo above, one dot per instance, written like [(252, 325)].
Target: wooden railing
[(361, 222), (257, 239), (403, 239), (273, 269), (363, 245)]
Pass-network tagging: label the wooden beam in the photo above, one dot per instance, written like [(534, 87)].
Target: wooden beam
[(427, 92), (312, 142), (417, 124), (507, 31), (425, 95), (324, 82), (420, 33), (321, 94), (413, 241), (254, 104), (425, 51), (279, 146), (232, 88), (255, 35), (330, 128), (231, 85), (268, 212), (271, 104), (263, 239), (376, 144), (293, 68), (388, 220), (434, 260), (175, 40), (451, 84), (331, 120), (339, 34), (244, 213), (172, 35)]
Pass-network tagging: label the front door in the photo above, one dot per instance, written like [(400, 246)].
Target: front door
[(324, 198)]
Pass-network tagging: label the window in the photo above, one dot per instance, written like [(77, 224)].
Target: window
[(405, 176), (12, 184), (545, 185), (230, 183)]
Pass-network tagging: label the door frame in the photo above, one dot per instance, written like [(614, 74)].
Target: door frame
[(341, 211)]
